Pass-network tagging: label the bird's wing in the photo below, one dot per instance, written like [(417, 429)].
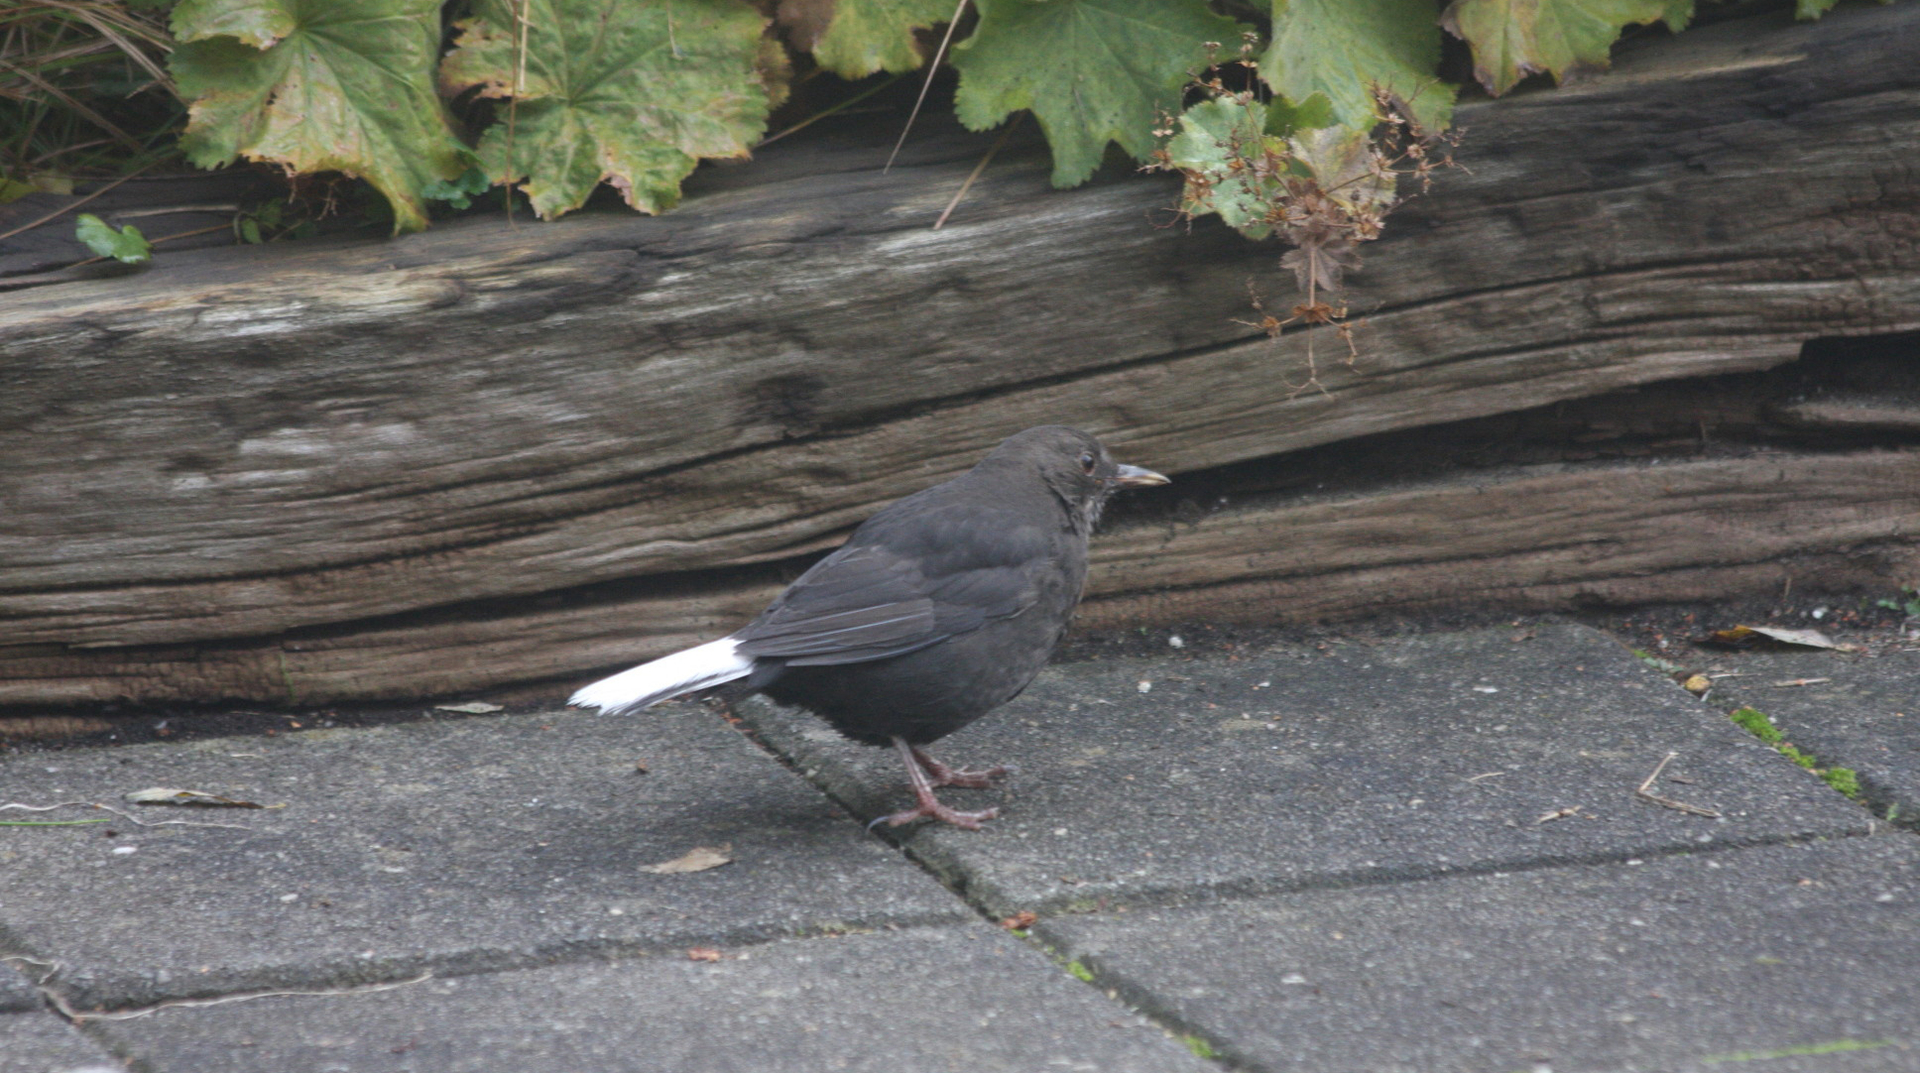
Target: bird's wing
[(895, 589)]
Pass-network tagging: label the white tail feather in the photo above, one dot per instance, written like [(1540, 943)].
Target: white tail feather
[(683, 672)]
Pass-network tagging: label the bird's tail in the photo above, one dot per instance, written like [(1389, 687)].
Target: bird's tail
[(683, 672)]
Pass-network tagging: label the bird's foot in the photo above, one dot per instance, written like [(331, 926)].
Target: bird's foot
[(924, 773), (931, 809), (965, 778)]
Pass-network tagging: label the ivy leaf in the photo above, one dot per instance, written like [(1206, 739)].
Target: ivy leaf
[(1092, 71), (126, 245), (1341, 49), (855, 38), (630, 93), (1515, 38), (319, 85)]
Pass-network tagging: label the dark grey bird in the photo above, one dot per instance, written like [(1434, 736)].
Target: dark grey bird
[(937, 610)]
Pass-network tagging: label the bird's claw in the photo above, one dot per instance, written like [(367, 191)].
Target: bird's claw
[(939, 774), (969, 820)]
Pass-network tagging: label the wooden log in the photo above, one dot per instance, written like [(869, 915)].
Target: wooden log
[(1542, 537), (221, 470)]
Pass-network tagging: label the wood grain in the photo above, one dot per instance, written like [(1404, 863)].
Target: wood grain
[(391, 451), (1541, 538)]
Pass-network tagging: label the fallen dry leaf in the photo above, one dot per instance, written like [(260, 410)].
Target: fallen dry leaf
[(166, 795), (1023, 919), (703, 953), (1697, 684), (697, 859), (1746, 635)]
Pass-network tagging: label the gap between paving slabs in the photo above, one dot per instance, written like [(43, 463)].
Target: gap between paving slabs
[(1337, 804), (1857, 711), (32, 1038), (1364, 736), (438, 846), (1797, 953), (455, 847), (1297, 767), (949, 996)]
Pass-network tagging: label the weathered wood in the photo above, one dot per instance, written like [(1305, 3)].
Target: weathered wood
[(310, 437), (1541, 537)]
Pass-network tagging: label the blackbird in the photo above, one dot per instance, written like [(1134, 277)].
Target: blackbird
[(937, 610)]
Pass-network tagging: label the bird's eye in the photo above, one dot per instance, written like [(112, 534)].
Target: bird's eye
[(1086, 463)]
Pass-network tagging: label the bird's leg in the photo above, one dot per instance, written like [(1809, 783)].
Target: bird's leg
[(927, 806), (965, 778)]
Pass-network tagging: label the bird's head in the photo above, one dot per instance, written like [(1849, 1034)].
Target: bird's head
[(1075, 466)]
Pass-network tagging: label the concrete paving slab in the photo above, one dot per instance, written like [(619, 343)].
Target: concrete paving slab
[(1864, 716), (921, 1000), (43, 1043), (17, 992), (1297, 767), (1788, 959), (460, 845)]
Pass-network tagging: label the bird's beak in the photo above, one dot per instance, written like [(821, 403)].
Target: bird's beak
[(1137, 477)]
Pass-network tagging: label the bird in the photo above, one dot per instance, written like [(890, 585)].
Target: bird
[(939, 608)]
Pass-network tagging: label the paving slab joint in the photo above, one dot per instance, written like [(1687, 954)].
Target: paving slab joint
[(955, 880), (1173, 896), (354, 977), (1880, 800), (1141, 1001)]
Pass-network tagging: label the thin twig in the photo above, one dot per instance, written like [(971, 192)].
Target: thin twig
[(172, 210), (933, 67), (525, 22), (1646, 793), (835, 110), (50, 823), (60, 1003), (62, 211), (123, 815), (977, 169), (150, 242)]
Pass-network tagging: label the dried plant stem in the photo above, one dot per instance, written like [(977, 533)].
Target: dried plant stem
[(933, 67), (977, 169)]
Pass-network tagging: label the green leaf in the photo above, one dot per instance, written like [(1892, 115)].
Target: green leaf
[(866, 36), (1216, 137), (1092, 71), (258, 25), (460, 192), (126, 245), (618, 90), (1512, 39), (343, 85), (1339, 50)]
